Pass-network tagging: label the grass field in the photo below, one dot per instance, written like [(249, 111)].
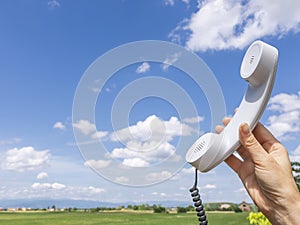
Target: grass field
[(113, 218)]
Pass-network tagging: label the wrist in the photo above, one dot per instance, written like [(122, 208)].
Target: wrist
[(290, 212)]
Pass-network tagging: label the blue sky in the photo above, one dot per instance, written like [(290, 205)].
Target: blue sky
[(47, 46)]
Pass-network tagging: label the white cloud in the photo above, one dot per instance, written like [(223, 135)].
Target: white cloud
[(237, 23), (95, 89), (122, 179), (53, 4), (143, 68), (162, 194), (54, 190), (59, 125), (135, 162), (190, 170), (153, 129), (297, 150), (209, 186), (241, 190), (295, 155), (99, 134), (196, 119), (56, 186), (170, 60), (186, 1), (42, 175), (97, 164), (84, 126), (285, 102), (163, 175), (149, 141), (10, 141), (144, 156), (88, 128), (26, 158), (286, 119), (95, 190), (172, 2), (169, 2)]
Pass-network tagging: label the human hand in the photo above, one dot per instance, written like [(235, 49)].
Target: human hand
[(266, 174)]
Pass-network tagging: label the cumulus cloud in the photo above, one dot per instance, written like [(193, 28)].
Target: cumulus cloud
[(169, 2), (90, 190), (87, 128), (209, 186), (285, 120), (237, 23), (196, 119), (54, 190), (97, 164), (153, 128), (42, 175), (149, 141), (169, 61), (53, 4), (172, 2), (55, 186), (10, 141), (59, 125), (95, 190), (135, 162), (190, 170), (84, 126), (295, 155), (26, 158), (143, 68), (163, 175), (147, 154), (122, 179), (144, 143), (99, 134)]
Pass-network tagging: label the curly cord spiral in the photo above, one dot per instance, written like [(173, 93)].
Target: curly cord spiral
[(198, 203)]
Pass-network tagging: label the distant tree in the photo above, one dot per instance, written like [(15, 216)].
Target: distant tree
[(235, 208), (181, 209), (190, 208), (144, 207), (159, 209), (296, 173)]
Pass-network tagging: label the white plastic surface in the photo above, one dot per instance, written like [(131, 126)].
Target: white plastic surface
[(259, 69)]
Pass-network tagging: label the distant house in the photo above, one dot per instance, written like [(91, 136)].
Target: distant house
[(245, 207)]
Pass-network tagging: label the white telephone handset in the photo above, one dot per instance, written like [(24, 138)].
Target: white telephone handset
[(259, 69)]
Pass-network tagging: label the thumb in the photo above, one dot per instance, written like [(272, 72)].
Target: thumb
[(256, 152)]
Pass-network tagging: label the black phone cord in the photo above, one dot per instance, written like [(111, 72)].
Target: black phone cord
[(198, 202)]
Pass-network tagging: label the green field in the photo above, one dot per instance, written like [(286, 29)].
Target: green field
[(113, 218)]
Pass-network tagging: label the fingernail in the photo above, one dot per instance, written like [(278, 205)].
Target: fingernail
[(245, 129)]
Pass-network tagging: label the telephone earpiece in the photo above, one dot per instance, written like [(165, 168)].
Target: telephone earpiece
[(258, 68)]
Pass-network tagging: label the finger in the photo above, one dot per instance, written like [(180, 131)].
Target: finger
[(219, 129), (226, 120), (264, 137), (243, 153), (235, 110), (233, 162), (251, 144)]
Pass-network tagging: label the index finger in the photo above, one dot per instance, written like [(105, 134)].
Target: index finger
[(264, 136)]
